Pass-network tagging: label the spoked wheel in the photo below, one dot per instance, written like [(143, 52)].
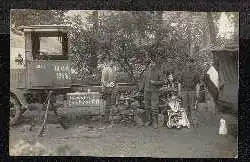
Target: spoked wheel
[(176, 120), (169, 125), (15, 110)]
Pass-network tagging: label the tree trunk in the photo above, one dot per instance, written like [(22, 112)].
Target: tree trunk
[(158, 35), (93, 58), (211, 29), (206, 36)]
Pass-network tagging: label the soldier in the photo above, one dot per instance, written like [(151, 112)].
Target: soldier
[(108, 81), (151, 85), (189, 88)]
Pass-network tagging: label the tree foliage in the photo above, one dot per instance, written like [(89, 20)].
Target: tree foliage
[(133, 38)]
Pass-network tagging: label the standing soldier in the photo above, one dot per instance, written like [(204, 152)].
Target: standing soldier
[(108, 81), (151, 85), (189, 87)]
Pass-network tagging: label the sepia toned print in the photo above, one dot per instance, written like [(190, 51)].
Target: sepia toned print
[(124, 83)]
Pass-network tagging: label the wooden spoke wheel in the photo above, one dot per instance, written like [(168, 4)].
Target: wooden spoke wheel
[(15, 110), (169, 125)]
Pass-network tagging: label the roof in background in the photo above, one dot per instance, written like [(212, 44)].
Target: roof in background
[(45, 27)]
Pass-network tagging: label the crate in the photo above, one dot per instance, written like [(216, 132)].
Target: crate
[(90, 102)]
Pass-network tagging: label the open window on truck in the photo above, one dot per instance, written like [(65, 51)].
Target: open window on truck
[(49, 45)]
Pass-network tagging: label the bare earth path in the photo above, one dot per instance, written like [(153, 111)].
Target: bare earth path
[(117, 140)]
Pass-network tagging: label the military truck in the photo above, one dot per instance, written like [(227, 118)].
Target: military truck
[(48, 69)]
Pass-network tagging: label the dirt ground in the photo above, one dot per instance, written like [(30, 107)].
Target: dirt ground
[(95, 139)]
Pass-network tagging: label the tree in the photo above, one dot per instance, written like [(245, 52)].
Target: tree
[(132, 38), (83, 44), (212, 30), (215, 20)]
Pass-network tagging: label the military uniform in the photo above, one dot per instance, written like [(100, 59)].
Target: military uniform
[(189, 79), (108, 86), (151, 84)]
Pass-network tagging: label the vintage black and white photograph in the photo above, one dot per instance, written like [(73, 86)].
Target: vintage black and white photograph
[(108, 83)]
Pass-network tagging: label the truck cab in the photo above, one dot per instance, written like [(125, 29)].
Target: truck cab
[(46, 57), (46, 67)]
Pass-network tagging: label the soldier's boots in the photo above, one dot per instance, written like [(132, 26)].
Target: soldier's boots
[(148, 119), (155, 121), (148, 123), (107, 116)]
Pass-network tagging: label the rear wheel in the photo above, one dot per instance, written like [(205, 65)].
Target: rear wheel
[(15, 110)]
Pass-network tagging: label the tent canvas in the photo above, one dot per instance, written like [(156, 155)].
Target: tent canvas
[(213, 75), (226, 63)]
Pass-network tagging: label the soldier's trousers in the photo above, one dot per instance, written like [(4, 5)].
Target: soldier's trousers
[(188, 101), (151, 100), (108, 105), (108, 101)]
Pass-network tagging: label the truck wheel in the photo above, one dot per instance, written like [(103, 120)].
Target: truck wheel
[(15, 110)]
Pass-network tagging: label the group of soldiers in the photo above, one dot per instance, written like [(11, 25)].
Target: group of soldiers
[(153, 80)]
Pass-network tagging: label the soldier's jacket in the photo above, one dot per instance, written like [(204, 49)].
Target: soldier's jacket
[(188, 80), (108, 75), (156, 76)]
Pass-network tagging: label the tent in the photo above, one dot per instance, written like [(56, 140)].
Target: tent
[(226, 64)]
